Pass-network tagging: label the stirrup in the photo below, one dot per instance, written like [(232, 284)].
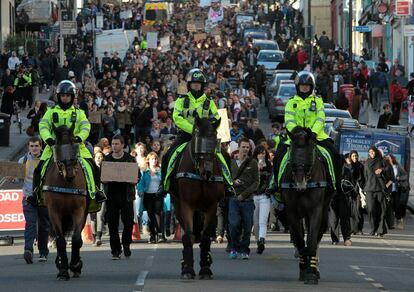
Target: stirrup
[(100, 196), (230, 191)]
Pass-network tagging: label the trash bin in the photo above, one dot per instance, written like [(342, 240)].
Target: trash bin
[(4, 129)]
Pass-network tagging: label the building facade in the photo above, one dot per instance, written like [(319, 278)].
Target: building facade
[(7, 19)]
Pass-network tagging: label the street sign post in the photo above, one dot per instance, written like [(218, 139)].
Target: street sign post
[(68, 28), (362, 28), (402, 8)]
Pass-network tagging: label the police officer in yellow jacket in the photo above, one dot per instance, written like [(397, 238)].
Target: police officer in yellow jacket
[(307, 110), (185, 109), (64, 113)]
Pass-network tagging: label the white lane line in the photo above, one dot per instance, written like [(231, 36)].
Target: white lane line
[(369, 279), (378, 285), (388, 268), (141, 278), (360, 273), (354, 267)]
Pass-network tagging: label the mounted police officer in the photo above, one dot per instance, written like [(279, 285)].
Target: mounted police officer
[(195, 102), (307, 110), (64, 113)]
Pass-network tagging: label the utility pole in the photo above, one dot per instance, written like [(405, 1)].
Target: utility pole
[(351, 69), (310, 33)]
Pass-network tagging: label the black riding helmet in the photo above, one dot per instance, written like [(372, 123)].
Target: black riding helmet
[(304, 78), (65, 87), (196, 75)]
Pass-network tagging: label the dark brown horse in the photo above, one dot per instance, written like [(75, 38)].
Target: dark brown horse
[(306, 191), (196, 190), (65, 196)]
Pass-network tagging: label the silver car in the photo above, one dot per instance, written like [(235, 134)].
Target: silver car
[(276, 106), (272, 85), (269, 59)]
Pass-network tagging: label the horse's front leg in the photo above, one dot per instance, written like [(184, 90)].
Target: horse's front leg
[(314, 234), (187, 264), (61, 257), (75, 261), (205, 255)]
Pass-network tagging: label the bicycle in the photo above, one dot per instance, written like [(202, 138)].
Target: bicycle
[(18, 120)]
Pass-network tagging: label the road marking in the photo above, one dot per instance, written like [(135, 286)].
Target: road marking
[(388, 268), (141, 278), (369, 279), (378, 285), (360, 273), (354, 267), (149, 261)]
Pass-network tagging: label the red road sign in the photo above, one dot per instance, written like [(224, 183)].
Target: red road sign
[(402, 8), (11, 210)]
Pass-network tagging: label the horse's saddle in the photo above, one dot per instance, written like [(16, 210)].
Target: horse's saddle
[(326, 158)]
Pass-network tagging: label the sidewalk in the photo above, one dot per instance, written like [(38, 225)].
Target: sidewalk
[(18, 141)]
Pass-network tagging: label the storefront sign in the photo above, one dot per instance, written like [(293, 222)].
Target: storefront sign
[(402, 7)]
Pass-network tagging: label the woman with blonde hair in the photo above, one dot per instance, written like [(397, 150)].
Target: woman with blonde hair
[(153, 203)]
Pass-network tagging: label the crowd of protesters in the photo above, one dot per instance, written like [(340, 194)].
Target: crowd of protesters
[(133, 97)]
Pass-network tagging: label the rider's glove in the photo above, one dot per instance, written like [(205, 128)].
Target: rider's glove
[(50, 142)]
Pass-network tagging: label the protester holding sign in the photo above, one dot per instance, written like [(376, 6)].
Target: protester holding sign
[(121, 196)]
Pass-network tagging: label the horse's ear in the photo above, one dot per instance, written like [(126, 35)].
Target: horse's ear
[(216, 123)]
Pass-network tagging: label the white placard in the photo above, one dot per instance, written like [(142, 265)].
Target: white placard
[(223, 131), (165, 44), (125, 14), (409, 30), (152, 40), (99, 21), (205, 3)]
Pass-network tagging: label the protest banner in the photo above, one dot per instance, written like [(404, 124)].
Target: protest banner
[(199, 37), (125, 14), (95, 117), (152, 40), (191, 27), (119, 172), (165, 44), (223, 131)]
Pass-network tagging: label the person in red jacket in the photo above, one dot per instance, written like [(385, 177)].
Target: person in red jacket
[(302, 57), (396, 97)]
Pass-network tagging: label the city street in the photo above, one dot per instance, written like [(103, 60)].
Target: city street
[(371, 264)]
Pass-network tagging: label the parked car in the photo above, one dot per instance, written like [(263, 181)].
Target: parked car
[(337, 113), (241, 19), (272, 85), (261, 30), (269, 59), (277, 103), (265, 44), (254, 35)]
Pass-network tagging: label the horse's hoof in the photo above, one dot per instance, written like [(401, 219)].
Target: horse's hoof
[(76, 274), (206, 277), (77, 268), (187, 276), (205, 274), (311, 278), (63, 275)]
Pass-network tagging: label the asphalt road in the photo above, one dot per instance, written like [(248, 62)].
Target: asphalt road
[(371, 264)]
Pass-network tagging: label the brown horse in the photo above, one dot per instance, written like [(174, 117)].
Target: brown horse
[(196, 190), (65, 196)]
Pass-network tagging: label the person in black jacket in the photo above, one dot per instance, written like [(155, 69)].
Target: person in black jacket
[(385, 118), (357, 180), (141, 118), (378, 178), (121, 196)]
